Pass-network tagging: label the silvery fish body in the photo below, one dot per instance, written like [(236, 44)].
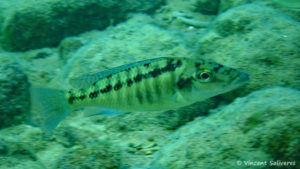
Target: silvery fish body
[(149, 85)]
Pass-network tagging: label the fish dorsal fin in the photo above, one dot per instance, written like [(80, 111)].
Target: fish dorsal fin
[(86, 80), (89, 79)]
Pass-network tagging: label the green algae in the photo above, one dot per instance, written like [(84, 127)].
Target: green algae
[(288, 3)]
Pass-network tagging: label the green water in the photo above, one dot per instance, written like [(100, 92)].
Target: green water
[(47, 43)]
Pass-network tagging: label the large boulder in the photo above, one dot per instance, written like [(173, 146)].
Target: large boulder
[(262, 126), (34, 24), (14, 92)]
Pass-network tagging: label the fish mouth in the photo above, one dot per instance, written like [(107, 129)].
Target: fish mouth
[(242, 79)]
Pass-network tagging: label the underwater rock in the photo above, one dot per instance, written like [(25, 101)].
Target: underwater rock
[(173, 119), (288, 7), (69, 46), (89, 145), (227, 4), (136, 138), (18, 147), (187, 15), (208, 7), (77, 147), (102, 154), (14, 92), (258, 40), (36, 24), (36, 65), (259, 127)]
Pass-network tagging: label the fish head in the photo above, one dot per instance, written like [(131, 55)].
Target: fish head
[(210, 78)]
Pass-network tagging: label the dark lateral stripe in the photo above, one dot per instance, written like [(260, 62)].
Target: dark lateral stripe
[(118, 85), (93, 94), (146, 64), (170, 66), (128, 69), (82, 97), (156, 72), (184, 83), (71, 99), (129, 82), (106, 89), (109, 76), (139, 77)]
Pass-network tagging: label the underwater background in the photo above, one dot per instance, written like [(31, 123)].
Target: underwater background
[(46, 43)]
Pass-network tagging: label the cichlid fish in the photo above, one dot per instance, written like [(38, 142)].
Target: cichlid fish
[(150, 85)]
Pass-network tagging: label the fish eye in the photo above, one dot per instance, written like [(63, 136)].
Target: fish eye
[(204, 76)]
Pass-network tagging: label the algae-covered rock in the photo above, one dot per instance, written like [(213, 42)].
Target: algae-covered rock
[(76, 147), (227, 4), (192, 16), (104, 155), (270, 120), (259, 127), (14, 92), (88, 145), (40, 65), (258, 40), (136, 136), (288, 7), (34, 24), (69, 46), (18, 147), (209, 7)]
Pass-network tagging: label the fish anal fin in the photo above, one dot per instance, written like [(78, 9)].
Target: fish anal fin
[(95, 111)]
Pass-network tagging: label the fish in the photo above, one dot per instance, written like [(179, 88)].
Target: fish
[(159, 84)]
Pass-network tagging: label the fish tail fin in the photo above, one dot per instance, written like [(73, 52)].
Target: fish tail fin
[(51, 105)]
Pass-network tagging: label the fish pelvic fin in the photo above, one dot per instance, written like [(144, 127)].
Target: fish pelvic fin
[(51, 105)]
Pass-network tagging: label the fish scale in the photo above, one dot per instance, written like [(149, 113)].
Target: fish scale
[(138, 90), (155, 84)]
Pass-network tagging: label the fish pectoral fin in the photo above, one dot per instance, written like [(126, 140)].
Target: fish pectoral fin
[(177, 97), (95, 111)]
